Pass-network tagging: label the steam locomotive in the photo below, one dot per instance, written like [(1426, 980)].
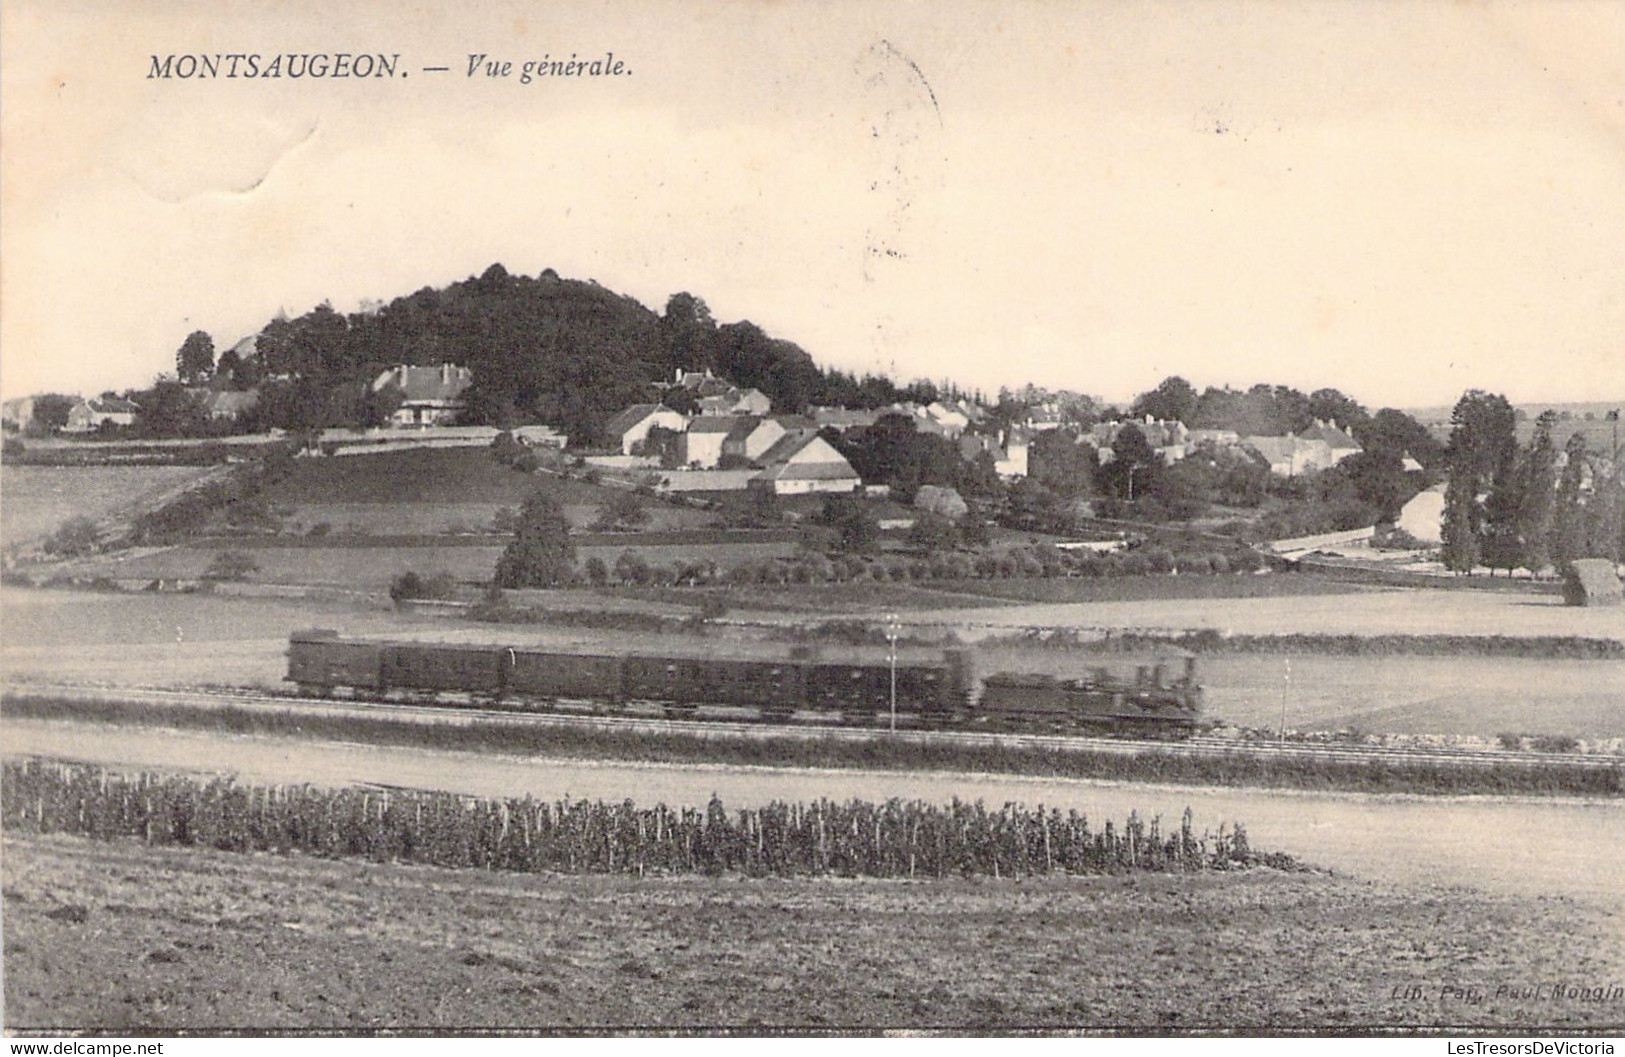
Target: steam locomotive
[(1158, 700)]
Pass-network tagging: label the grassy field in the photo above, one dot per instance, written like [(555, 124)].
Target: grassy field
[(360, 568), (1388, 611), (201, 940), (389, 519), (422, 476), (37, 499)]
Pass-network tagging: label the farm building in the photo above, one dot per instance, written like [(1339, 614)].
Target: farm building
[(736, 402), (229, 404), (1291, 455), (87, 416), (803, 462), (1338, 442), (431, 396), (1592, 582), (631, 427)]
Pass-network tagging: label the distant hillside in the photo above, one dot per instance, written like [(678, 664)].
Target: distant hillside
[(1588, 417)]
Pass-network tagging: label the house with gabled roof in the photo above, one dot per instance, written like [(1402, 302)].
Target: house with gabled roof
[(1290, 455), (1338, 442), (736, 402), (843, 418), (801, 462), (630, 427), (88, 416), (430, 396), (229, 404), (712, 439)]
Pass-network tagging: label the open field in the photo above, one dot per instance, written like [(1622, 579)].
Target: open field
[(34, 500), (196, 939), (1368, 612), (406, 518)]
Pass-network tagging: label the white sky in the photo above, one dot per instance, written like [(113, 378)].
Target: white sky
[(1402, 200)]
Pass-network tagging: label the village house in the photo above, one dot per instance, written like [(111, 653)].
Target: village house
[(842, 419), (1290, 455), (88, 416), (431, 396), (1045, 416), (1170, 440), (1338, 442), (1014, 461), (228, 404), (736, 402), (950, 417), (1218, 438), (802, 462), (629, 429)]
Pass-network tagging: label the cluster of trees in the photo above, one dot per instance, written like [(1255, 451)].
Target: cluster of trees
[(1531, 506), (1276, 410), (815, 567), (895, 453)]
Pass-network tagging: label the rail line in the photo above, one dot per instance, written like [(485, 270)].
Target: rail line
[(474, 713)]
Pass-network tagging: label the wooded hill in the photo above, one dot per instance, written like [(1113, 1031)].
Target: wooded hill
[(562, 351)]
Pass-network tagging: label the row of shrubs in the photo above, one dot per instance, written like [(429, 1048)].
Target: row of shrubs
[(1209, 640), (1014, 563), (1566, 647), (854, 839)]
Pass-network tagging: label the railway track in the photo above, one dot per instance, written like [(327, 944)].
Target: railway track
[(475, 713)]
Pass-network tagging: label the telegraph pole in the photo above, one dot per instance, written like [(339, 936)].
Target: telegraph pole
[(892, 631)]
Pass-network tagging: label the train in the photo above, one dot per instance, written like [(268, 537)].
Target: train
[(1162, 699)]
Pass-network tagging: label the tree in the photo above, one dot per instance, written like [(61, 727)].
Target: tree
[(1482, 451), (228, 365), (168, 409), (1173, 398), (943, 502), (74, 538), (687, 333), (194, 362), (1060, 460), (231, 565), (1391, 431), (1569, 513), (1134, 464), (855, 531), (1502, 544), (50, 414), (1538, 484), (1330, 405), (1459, 529), (541, 554), (621, 512)]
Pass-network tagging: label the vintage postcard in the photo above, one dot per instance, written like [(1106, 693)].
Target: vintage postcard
[(813, 517)]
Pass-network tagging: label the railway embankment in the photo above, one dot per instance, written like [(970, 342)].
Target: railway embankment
[(1235, 762)]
